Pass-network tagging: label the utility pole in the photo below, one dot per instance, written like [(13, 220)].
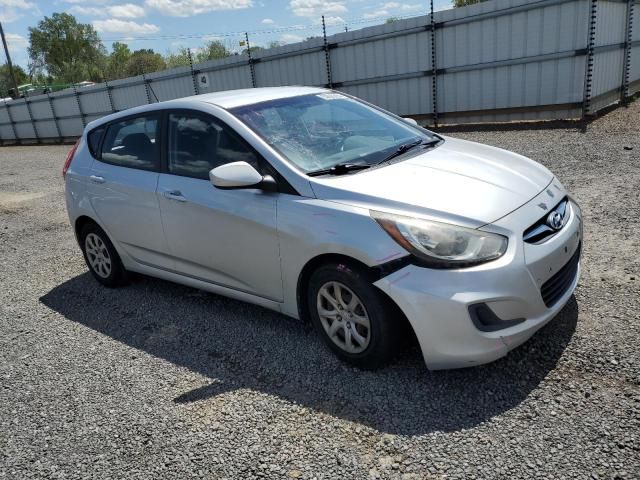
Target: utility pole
[(6, 51)]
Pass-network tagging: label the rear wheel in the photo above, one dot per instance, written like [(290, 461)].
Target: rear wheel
[(353, 317), (101, 256)]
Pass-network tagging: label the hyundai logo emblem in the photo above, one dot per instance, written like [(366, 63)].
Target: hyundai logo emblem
[(555, 220)]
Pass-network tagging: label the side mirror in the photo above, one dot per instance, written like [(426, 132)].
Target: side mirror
[(239, 175), (411, 121)]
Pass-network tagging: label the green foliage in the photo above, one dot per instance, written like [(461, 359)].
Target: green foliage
[(117, 61), (391, 20), (211, 51), (464, 3), (177, 59), (144, 61), (5, 78), (67, 50)]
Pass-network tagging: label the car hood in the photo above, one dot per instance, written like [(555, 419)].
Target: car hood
[(459, 181)]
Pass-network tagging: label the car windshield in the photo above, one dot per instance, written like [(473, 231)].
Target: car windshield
[(319, 131)]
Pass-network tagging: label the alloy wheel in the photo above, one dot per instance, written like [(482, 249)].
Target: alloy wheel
[(98, 255), (344, 317)]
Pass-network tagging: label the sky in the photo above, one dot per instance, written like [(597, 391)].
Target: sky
[(167, 25)]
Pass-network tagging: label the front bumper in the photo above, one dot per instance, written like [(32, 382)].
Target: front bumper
[(436, 302)]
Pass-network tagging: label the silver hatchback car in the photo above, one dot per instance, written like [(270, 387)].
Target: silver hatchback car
[(326, 208)]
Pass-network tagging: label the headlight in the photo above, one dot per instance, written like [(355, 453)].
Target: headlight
[(441, 245)]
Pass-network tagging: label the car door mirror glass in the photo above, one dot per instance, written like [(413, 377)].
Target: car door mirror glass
[(235, 175)]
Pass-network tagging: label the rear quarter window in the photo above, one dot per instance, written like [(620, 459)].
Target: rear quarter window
[(93, 140)]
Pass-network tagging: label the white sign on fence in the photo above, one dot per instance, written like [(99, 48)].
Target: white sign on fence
[(203, 81)]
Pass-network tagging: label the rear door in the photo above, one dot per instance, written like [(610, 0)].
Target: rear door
[(122, 188), (226, 237)]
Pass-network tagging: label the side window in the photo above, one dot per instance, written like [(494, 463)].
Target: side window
[(133, 143), (93, 140), (198, 143)]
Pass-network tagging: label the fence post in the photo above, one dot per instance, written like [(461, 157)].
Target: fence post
[(434, 69), (84, 121), (54, 116), (33, 122), (588, 74), (251, 66), (146, 87), (193, 74), (626, 62), (108, 87), (327, 55), (13, 124)]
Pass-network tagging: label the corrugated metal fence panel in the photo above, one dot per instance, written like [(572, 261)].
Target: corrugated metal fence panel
[(94, 99), (611, 22), (41, 111), (25, 130), (607, 78), (403, 97), (634, 72), (65, 104), (608, 66), (40, 108), (19, 111), (379, 57), (47, 129), (549, 36), (635, 69), (305, 68), (226, 74), (128, 92), (6, 132), (170, 84)]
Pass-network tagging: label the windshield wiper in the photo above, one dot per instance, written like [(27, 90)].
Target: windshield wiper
[(339, 169), (405, 147)]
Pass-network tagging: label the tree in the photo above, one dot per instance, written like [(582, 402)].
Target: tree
[(274, 44), (5, 78), (145, 61), (178, 59), (391, 20), (67, 50), (464, 3), (211, 51), (118, 60)]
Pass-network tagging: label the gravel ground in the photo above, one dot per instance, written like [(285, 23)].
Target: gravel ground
[(157, 380)]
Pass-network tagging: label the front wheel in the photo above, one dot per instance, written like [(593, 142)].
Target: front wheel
[(352, 316)]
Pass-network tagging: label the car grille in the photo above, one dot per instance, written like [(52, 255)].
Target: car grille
[(554, 288), (540, 231)]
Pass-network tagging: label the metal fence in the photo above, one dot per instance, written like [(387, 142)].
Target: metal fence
[(497, 61)]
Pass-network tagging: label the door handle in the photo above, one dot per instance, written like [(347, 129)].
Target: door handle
[(175, 195), (97, 179)]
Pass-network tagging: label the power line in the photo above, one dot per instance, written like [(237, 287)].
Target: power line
[(291, 28)]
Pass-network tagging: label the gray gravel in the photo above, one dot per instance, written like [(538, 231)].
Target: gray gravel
[(156, 380)]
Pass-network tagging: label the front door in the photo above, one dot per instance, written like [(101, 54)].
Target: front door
[(226, 237)]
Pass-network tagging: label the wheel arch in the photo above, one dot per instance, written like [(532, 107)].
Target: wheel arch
[(375, 273), (80, 223)]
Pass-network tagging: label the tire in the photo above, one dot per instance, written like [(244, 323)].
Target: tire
[(346, 336), (101, 257)]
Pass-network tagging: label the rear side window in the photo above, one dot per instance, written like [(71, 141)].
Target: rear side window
[(133, 143), (198, 143), (94, 138)]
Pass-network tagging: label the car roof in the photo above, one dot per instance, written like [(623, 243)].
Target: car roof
[(248, 96), (226, 99)]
